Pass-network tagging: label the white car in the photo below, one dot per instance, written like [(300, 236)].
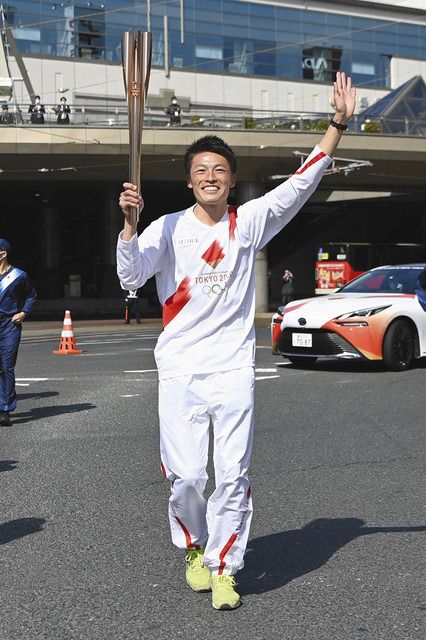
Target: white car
[(381, 315)]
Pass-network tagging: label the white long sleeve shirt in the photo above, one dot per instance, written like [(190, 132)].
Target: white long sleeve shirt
[(205, 274)]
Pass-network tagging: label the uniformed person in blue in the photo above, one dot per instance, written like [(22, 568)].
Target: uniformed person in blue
[(17, 299)]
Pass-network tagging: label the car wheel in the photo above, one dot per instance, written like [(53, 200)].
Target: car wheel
[(398, 346), (300, 361)]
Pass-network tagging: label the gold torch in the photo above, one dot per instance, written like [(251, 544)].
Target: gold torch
[(136, 61)]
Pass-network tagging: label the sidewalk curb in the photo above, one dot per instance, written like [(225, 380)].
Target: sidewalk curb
[(52, 328)]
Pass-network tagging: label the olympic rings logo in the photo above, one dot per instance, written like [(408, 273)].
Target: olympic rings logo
[(214, 290)]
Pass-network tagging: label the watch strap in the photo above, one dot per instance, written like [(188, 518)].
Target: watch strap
[(337, 125)]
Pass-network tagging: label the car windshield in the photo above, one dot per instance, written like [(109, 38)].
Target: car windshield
[(386, 280)]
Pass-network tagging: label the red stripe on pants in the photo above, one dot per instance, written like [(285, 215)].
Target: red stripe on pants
[(224, 551), (188, 540)]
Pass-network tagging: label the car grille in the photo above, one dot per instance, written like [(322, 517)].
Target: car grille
[(324, 343)]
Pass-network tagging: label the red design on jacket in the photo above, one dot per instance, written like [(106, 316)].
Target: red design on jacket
[(177, 301)]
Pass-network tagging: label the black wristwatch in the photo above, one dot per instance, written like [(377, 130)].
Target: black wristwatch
[(341, 127)]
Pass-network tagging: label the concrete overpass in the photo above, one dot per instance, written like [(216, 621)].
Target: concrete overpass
[(101, 154)]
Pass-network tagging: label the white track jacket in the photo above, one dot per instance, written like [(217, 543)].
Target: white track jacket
[(205, 275)]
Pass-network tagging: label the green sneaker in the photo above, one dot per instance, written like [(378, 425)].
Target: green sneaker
[(224, 595), (197, 574)]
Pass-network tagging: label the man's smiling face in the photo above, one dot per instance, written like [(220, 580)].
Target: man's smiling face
[(210, 178)]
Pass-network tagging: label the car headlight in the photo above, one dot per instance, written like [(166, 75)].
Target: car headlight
[(363, 313), (345, 320)]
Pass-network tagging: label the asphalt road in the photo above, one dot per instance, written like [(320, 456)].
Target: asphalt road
[(335, 549)]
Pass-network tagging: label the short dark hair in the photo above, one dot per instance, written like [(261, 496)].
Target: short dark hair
[(214, 144), (35, 97)]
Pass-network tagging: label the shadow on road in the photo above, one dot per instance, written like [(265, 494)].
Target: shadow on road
[(348, 366), (15, 529), (37, 413), (8, 465), (362, 367), (275, 560), (343, 366), (37, 396)]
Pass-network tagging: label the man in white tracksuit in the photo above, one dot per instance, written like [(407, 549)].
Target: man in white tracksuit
[(203, 260)]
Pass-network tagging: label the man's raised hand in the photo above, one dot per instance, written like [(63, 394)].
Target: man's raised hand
[(343, 98)]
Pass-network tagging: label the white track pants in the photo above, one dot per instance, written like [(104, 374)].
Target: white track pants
[(187, 404)]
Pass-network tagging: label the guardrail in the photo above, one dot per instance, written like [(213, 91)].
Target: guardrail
[(105, 116)]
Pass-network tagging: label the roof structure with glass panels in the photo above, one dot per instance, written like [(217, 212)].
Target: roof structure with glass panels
[(403, 110)]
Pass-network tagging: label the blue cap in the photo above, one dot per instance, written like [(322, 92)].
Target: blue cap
[(5, 246)]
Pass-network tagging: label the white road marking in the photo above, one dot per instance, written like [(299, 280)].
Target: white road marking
[(111, 353), (25, 382), (130, 395), (115, 353), (265, 377), (140, 370), (266, 370), (116, 341), (88, 336), (260, 346)]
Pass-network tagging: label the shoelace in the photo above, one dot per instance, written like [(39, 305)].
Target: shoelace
[(226, 582), (195, 559)]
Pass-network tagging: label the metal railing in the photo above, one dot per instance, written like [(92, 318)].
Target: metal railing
[(110, 115)]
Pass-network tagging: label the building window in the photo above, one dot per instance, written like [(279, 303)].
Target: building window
[(212, 53), (238, 56), (321, 63), (89, 32), (364, 68)]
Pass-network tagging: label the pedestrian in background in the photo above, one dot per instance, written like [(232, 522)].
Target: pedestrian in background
[(173, 111), (62, 111), (37, 111), (287, 289), (6, 117), (132, 306), (17, 299)]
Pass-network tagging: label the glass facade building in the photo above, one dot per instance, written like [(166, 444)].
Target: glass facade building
[(226, 37)]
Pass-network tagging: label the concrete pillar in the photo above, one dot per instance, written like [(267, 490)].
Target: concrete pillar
[(261, 281), (111, 225), (50, 283), (248, 191)]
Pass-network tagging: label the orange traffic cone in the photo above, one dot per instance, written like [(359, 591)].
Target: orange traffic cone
[(67, 344)]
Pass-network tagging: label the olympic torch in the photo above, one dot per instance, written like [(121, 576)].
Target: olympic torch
[(136, 62)]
